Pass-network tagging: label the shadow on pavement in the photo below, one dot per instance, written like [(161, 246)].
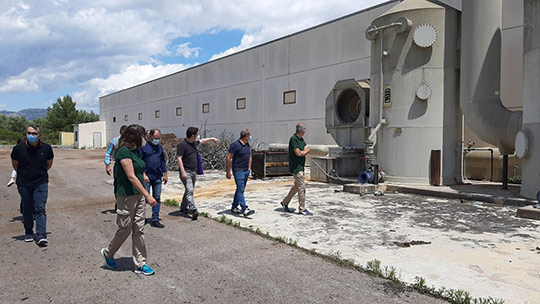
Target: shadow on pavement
[(123, 263)]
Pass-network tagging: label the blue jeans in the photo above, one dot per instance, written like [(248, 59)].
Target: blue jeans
[(33, 201), (240, 178), (156, 193)]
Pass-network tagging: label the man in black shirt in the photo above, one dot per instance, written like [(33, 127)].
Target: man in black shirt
[(188, 161), (32, 160)]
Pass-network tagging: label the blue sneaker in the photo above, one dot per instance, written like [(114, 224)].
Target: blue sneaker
[(29, 238), (285, 207), (306, 212), (109, 262), (146, 270)]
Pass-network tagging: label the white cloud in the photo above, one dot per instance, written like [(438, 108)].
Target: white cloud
[(186, 51), (3, 105), (129, 76), (104, 45)]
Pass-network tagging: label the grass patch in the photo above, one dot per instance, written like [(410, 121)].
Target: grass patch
[(171, 203), (374, 268)]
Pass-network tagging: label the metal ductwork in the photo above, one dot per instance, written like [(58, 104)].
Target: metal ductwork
[(480, 76)]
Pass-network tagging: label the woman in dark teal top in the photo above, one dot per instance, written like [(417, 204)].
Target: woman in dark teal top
[(131, 199)]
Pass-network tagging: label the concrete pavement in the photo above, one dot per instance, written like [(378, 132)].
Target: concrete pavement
[(481, 248)]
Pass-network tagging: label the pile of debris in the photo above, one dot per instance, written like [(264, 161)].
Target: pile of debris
[(214, 157)]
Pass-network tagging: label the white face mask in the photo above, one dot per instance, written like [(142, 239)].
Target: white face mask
[(198, 138)]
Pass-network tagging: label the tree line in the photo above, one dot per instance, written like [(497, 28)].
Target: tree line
[(60, 118)]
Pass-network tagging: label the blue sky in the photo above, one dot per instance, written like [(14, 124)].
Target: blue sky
[(87, 49)]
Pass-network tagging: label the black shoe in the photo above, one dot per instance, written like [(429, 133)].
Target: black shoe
[(195, 215), (157, 224)]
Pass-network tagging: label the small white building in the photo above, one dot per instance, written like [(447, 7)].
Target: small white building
[(90, 135)]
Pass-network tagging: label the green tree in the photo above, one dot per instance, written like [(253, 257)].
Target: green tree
[(61, 117)]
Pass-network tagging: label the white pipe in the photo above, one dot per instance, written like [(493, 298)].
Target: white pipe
[(480, 75)]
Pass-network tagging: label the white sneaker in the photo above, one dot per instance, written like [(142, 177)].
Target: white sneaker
[(11, 182), (248, 212)]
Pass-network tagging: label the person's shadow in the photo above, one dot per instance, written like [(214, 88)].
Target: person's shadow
[(17, 219), (123, 263), (179, 213)]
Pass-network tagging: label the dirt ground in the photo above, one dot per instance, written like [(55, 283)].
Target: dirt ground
[(195, 262)]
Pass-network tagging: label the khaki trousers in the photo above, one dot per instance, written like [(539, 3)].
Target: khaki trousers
[(300, 188), (130, 218)]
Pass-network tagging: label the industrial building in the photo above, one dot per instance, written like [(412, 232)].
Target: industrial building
[(414, 85)]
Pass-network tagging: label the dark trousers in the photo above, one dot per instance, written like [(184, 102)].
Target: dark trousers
[(33, 201)]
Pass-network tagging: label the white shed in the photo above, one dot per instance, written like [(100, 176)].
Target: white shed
[(90, 135)]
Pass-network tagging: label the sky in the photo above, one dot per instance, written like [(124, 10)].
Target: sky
[(87, 49)]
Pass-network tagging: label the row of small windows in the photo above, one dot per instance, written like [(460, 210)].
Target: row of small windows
[(289, 97)]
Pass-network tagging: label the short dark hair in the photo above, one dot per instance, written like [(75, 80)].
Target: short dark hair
[(35, 127), (132, 136), (123, 128), (153, 131), (244, 133), (191, 131)]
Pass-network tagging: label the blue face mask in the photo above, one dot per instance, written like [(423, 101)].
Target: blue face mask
[(32, 138), (250, 138), (155, 142)]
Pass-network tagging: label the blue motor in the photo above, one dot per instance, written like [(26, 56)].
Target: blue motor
[(366, 177)]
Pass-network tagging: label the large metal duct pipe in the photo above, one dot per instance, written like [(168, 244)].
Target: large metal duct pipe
[(480, 75), (529, 146)]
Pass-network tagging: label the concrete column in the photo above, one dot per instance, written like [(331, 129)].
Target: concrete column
[(531, 97)]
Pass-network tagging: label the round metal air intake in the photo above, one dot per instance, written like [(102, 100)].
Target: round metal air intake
[(348, 106)]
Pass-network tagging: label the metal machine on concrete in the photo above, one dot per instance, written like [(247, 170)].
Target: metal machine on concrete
[(347, 110), (414, 106)]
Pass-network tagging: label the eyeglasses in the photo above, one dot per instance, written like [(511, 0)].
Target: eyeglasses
[(32, 133)]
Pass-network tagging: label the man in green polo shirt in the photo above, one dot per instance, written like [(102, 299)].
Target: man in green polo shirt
[(297, 160)]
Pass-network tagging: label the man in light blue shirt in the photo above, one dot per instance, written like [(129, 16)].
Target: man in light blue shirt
[(110, 154)]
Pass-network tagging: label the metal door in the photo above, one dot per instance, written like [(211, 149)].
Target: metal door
[(97, 140)]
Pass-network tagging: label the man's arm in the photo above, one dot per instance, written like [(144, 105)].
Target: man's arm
[(49, 163), (250, 160), (108, 157), (209, 139), (15, 164), (228, 166), (303, 152), (181, 166), (164, 167)]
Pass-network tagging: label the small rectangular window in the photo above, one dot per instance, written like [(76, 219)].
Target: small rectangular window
[(140, 116), (125, 117), (206, 108), (114, 119), (240, 103), (156, 114), (179, 111), (289, 97)]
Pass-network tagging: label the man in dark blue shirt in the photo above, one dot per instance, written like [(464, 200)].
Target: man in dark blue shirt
[(32, 160), (155, 172), (240, 157)]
